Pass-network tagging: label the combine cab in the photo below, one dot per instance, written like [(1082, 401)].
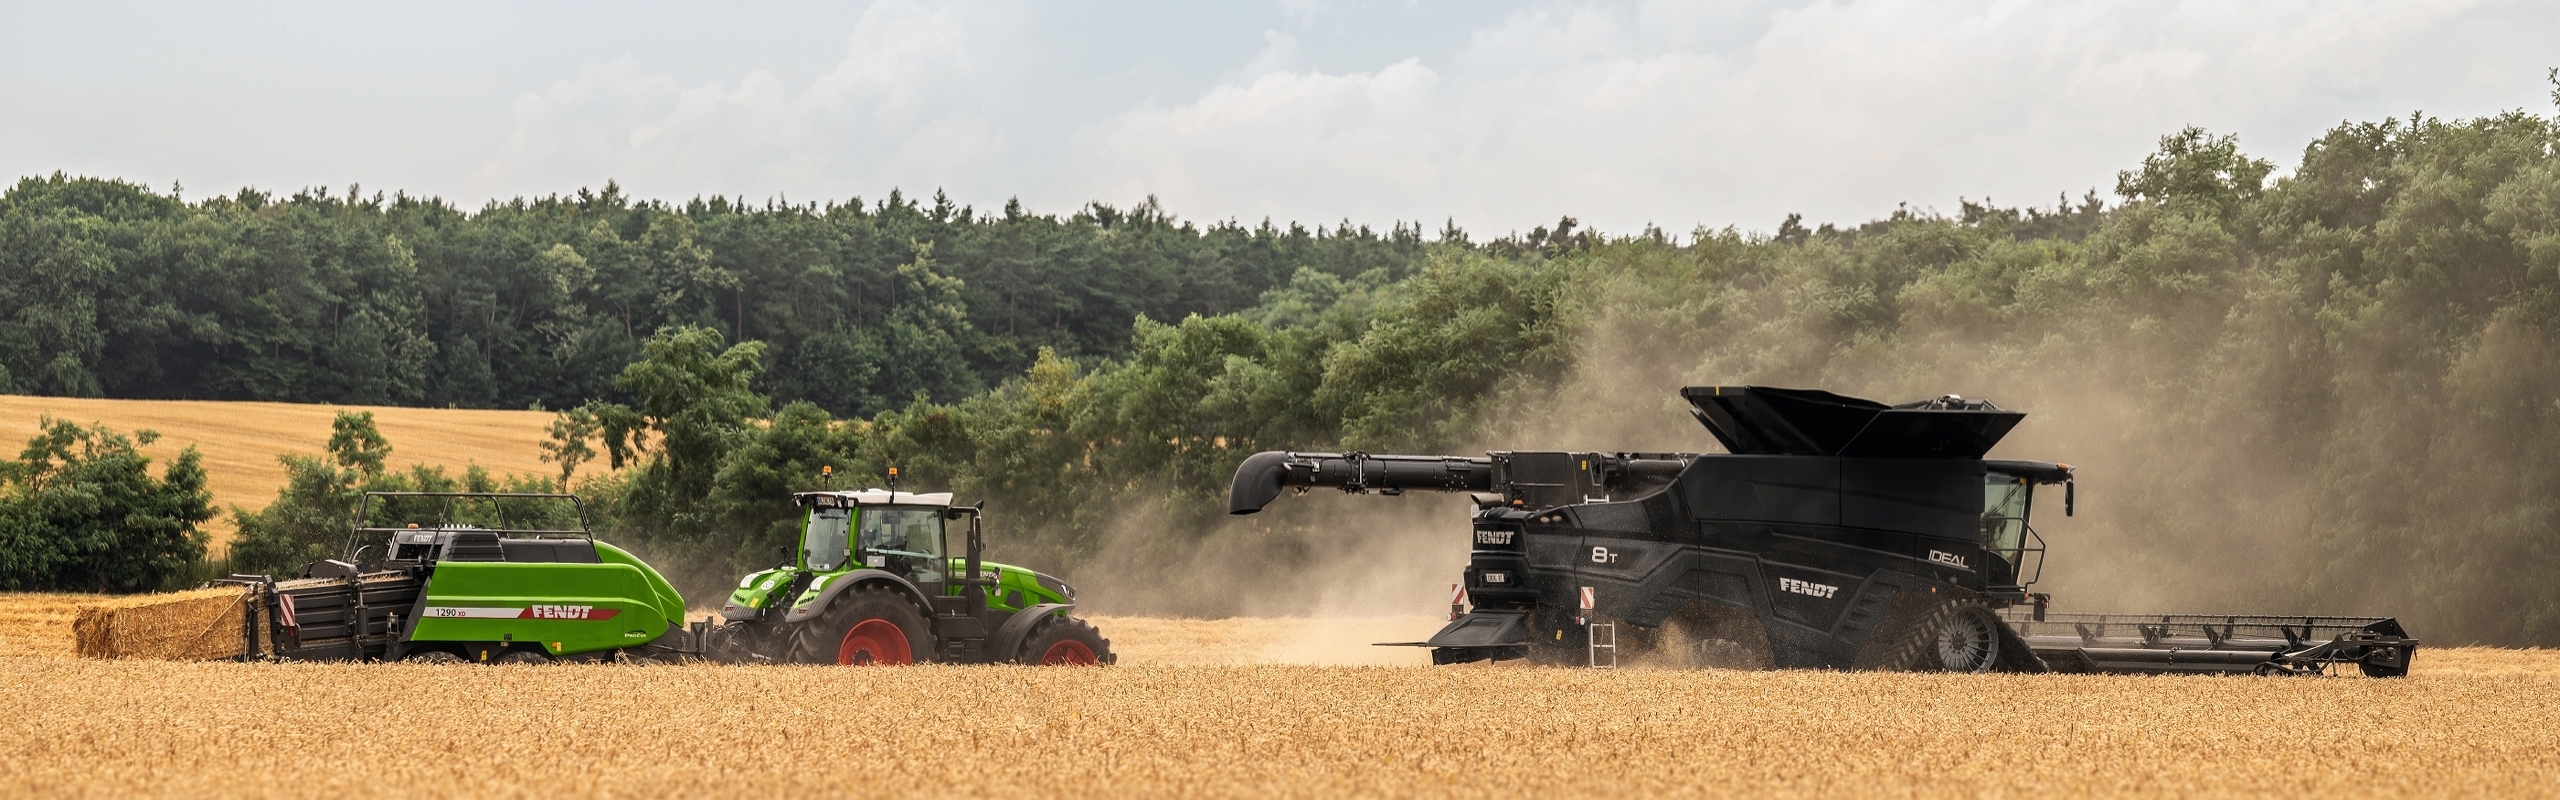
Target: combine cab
[(1834, 533)]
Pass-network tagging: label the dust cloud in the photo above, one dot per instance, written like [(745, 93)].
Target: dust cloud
[(2231, 459)]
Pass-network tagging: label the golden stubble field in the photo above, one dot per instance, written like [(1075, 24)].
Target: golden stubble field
[(240, 441), (1191, 713)]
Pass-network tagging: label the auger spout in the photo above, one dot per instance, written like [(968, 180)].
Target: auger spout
[(1262, 476)]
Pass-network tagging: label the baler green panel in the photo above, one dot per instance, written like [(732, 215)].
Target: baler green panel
[(669, 602), (569, 608)]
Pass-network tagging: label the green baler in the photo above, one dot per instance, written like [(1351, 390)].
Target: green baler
[(447, 591)]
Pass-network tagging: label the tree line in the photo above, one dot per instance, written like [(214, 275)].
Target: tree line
[(2332, 388), (109, 289)]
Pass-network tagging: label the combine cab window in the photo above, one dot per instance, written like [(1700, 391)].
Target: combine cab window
[(2004, 516), (824, 544), (907, 541)]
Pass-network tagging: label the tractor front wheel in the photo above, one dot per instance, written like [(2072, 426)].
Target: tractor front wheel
[(1067, 642), (870, 626)]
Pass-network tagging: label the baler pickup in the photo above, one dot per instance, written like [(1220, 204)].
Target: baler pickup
[(2186, 643)]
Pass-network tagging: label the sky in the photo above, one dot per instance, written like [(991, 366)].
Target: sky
[(1497, 116)]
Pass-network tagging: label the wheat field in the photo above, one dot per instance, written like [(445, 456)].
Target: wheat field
[(1198, 709), (240, 440)]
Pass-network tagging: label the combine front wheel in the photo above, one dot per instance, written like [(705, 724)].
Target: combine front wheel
[(1948, 637), (869, 626), (1968, 640), (1068, 642)]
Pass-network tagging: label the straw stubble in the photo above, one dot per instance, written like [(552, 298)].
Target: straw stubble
[(95, 727)]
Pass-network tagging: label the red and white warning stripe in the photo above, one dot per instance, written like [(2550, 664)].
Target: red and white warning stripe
[(513, 612), (287, 607)]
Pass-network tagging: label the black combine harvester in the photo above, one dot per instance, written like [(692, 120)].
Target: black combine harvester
[(1834, 533)]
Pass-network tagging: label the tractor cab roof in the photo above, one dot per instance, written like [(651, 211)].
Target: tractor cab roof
[(871, 497)]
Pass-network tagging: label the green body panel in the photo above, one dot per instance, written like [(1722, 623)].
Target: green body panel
[(669, 603), (757, 588), (551, 600), (1016, 588)]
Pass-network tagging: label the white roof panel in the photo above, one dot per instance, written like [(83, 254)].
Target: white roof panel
[(876, 497)]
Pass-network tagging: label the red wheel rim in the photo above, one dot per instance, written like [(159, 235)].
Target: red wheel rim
[(1069, 653), (875, 642)]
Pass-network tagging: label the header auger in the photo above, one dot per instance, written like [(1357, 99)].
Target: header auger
[(1835, 533)]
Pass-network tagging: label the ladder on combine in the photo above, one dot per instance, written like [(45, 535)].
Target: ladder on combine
[(1604, 641)]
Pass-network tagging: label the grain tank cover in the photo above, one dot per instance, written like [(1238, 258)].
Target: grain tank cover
[(1769, 421)]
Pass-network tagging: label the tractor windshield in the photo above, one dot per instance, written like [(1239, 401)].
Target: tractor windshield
[(907, 541), (823, 545)]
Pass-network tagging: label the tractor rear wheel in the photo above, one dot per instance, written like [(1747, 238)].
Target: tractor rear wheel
[(871, 625), (1066, 642)]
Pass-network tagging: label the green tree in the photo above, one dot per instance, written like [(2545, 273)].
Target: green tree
[(80, 511), (566, 442)]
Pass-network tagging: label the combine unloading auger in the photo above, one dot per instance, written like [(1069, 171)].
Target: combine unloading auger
[(1834, 533)]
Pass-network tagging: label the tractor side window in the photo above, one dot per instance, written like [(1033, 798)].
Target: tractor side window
[(906, 540), (2004, 516), (823, 546)]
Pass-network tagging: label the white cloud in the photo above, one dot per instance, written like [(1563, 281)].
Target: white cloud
[(881, 116), (1621, 116), (1620, 113)]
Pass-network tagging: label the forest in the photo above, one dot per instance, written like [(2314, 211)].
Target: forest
[(2326, 387)]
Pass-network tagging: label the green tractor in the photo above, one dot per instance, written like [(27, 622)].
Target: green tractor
[(875, 581)]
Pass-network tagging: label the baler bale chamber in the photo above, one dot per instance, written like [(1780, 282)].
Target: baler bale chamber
[(1833, 533)]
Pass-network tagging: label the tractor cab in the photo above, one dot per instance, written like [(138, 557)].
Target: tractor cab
[(2008, 500), (900, 533)]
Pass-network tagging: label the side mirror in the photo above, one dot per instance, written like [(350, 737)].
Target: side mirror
[(2070, 490)]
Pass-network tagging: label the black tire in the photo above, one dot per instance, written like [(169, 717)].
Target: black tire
[(1948, 637), (1968, 640), (1066, 641), (524, 657), (432, 657), (829, 639)]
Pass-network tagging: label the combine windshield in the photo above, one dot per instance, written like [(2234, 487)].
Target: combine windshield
[(903, 540), (823, 546)]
